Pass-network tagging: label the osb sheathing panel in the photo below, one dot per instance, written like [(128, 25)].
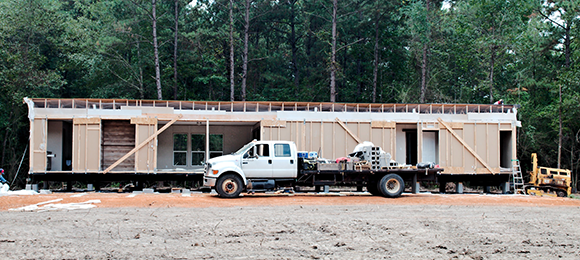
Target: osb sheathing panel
[(38, 144)]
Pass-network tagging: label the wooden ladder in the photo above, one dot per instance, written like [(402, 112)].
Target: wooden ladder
[(517, 179)]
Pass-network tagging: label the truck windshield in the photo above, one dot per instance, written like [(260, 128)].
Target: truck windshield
[(244, 149)]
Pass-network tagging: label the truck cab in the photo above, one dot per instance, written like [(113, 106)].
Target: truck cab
[(257, 164)]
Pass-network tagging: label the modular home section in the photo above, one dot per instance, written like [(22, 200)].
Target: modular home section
[(118, 136)]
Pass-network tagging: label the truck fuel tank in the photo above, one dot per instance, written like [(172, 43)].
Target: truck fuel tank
[(261, 184)]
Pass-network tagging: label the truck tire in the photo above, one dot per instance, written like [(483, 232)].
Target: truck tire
[(373, 189), (229, 186), (391, 186), (561, 193)]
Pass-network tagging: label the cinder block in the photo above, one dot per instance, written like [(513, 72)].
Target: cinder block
[(90, 187), (505, 187), (486, 189), (460, 187), (28, 187), (149, 191), (326, 188), (417, 187), (185, 191)]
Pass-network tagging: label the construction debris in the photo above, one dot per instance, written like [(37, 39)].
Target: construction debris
[(49, 206)]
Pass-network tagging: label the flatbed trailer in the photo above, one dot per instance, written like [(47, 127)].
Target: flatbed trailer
[(271, 165)]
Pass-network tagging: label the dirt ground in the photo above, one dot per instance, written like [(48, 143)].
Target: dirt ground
[(347, 226)]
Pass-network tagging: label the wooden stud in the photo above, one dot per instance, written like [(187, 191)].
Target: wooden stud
[(304, 135), (321, 139), (206, 139), (333, 140), (487, 140)]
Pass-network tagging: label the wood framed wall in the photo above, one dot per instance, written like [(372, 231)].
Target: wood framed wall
[(146, 157), (38, 144), (331, 139), (118, 140), (86, 145)]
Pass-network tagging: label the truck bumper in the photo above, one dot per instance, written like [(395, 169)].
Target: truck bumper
[(209, 182)]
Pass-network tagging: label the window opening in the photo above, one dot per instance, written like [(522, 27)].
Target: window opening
[(411, 146), (197, 149), (180, 149)]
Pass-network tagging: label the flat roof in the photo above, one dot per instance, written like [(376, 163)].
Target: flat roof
[(271, 106)]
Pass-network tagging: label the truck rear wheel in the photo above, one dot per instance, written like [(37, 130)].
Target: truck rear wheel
[(391, 186), (229, 186)]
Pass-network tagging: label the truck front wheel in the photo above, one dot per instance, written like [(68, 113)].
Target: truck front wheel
[(229, 186), (391, 186)]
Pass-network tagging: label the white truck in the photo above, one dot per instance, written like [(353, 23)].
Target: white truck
[(269, 165)]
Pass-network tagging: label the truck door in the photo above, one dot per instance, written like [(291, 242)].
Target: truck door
[(257, 162), (284, 164)]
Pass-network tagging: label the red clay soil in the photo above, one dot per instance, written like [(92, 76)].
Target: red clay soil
[(115, 200)]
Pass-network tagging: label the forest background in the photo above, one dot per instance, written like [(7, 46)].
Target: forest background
[(525, 52)]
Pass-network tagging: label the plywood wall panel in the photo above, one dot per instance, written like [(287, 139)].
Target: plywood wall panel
[(378, 138), (469, 163), (328, 144), (145, 160), (38, 145), (444, 149), (364, 133), (93, 145), (493, 148), (86, 145)]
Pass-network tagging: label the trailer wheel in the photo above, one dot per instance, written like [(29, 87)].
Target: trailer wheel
[(391, 186), (229, 186)]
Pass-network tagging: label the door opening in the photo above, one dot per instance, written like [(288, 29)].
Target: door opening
[(411, 146), (67, 144), (431, 147), (505, 149)]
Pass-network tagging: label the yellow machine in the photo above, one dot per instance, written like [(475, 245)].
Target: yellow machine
[(548, 181)]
